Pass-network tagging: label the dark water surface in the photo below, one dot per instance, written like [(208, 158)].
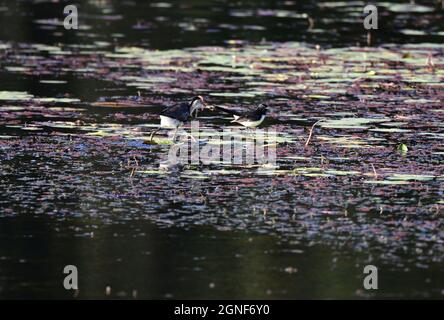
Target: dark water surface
[(79, 184), (179, 24)]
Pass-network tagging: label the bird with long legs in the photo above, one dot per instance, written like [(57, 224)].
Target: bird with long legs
[(175, 116), (251, 118)]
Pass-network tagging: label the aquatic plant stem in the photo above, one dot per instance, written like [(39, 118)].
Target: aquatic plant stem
[(311, 132), (374, 171)]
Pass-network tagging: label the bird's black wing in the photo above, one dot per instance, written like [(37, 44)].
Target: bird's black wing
[(252, 115), (180, 112)]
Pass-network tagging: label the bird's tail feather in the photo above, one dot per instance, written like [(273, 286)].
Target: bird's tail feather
[(232, 112)]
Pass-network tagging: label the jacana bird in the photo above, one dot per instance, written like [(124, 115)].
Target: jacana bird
[(250, 118), (175, 116)]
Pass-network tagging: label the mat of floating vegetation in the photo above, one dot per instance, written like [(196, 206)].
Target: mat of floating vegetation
[(374, 160)]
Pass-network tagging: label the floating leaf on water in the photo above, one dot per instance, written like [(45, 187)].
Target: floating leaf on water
[(318, 96), (53, 81), (272, 171), (135, 81), (408, 177), (411, 32), (59, 100), (393, 124), (15, 96), (17, 69), (233, 94), (194, 174), (31, 128), (407, 7), (151, 172), (402, 148), (223, 172), (11, 108), (100, 133), (297, 158), (387, 182), (112, 104), (60, 124), (161, 5), (342, 173), (390, 130), (421, 101), (432, 135), (159, 141)]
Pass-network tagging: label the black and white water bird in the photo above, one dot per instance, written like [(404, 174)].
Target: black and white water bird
[(251, 118), (175, 116)]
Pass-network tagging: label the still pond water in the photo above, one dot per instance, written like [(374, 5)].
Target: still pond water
[(80, 185)]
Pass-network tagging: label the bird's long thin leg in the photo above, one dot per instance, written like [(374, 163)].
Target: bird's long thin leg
[(175, 133), (190, 135), (192, 138), (153, 133), (249, 132)]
